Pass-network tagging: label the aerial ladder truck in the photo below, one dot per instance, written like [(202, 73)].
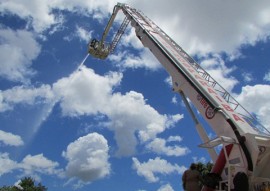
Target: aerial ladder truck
[(243, 160)]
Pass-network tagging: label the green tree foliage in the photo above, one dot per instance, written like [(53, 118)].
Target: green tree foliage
[(204, 168), (27, 184)]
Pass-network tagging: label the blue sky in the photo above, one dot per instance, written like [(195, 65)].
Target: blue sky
[(115, 124)]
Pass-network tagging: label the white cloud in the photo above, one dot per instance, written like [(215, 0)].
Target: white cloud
[(159, 146), (130, 39), (174, 138), (168, 81), (3, 106), (29, 96), (267, 77), (76, 184), (87, 93), (129, 114), (144, 59), (25, 95), (40, 15), (166, 187), (88, 158), (173, 119), (98, 9), (17, 51), (83, 34), (202, 33), (6, 164), (256, 99), (194, 27), (174, 100), (10, 139), (30, 166), (247, 76), (152, 167), (38, 164)]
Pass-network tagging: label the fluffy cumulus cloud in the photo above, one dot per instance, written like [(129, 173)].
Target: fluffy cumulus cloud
[(128, 113), (174, 139), (200, 33), (150, 169), (38, 164), (7, 165), (192, 23), (88, 158), (30, 166), (25, 95), (83, 34), (144, 59), (10, 139), (166, 187), (40, 15), (247, 76), (256, 100), (98, 9), (159, 146), (17, 51), (132, 114), (85, 92), (129, 39), (267, 77)]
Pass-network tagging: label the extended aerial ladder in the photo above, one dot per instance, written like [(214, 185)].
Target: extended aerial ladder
[(245, 142)]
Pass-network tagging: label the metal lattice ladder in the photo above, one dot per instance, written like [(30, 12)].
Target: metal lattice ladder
[(119, 33)]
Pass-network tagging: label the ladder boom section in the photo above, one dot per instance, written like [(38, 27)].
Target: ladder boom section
[(119, 34), (110, 23), (211, 92)]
